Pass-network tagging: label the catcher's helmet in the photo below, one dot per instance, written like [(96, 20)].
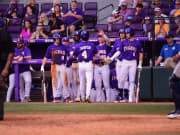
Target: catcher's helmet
[(84, 34), (129, 30), (56, 36)]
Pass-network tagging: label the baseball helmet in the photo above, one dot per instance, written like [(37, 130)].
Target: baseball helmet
[(77, 33), (56, 36), (122, 30), (84, 34), (129, 30), (65, 39)]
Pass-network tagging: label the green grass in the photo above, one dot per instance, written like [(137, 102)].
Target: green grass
[(89, 108)]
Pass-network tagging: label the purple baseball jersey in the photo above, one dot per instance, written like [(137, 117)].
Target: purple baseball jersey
[(70, 19), (102, 51), (130, 49), (113, 79), (23, 53), (116, 48), (85, 51), (57, 53)]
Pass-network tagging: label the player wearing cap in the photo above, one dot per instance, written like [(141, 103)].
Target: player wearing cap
[(131, 50), (75, 67), (101, 71), (123, 91), (24, 53), (85, 51), (168, 51), (57, 53), (65, 42)]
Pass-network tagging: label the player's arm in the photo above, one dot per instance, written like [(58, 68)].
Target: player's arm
[(4, 73), (141, 55), (158, 61)]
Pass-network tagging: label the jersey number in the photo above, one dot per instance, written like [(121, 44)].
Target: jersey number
[(84, 54)]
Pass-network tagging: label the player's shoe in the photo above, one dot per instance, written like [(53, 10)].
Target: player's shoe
[(68, 100), (77, 99), (124, 101), (27, 99), (174, 114), (88, 100), (117, 99)]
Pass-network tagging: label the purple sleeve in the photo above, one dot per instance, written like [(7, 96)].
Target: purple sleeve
[(113, 50), (48, 53), (27, 52), (80, 12)]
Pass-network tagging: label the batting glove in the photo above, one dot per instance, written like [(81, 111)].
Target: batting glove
[(140, 65), (42, 68)]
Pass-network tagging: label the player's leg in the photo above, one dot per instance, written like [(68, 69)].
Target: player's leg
[(69, 78), (132, 75), (28, 82), (98, 83), (123, 74), (11, 87), (21, 87), (63, 75), (118, 71), (82, 77), (89, 79), (54, 74), (59, 90), (106, 81), (174, 83)]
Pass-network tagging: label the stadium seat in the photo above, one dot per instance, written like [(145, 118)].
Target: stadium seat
[(16, 21), (80, 5), (46, 7), (115, 30), (4, 8), (131, 11), (104, 27), (90, 14), (173, 28), (64, 6), (14, 30), (138, 29), (20, 9), (149, 11)]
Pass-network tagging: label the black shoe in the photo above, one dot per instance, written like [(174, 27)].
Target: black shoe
[(174, 114)]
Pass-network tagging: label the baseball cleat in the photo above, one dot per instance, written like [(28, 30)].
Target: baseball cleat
[(77, 99), (174, 114), (88, 100), (124, 101), (27, 99)]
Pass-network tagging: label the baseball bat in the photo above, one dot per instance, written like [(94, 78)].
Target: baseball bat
[(138, 86), (44, 87)]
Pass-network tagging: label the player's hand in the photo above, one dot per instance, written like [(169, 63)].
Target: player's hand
[(108, 60), (139, 67), (176, 58), (4, 73), (42, 68), (20, 59)]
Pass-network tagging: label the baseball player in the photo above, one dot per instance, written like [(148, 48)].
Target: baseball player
[(101, 71), (23, 53), (58, 54), (65, 41), (75, 71), (131, 50), (123, 91), (174, 82), (85, 51)]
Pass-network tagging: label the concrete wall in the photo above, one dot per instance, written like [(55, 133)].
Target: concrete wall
[(101, 4)]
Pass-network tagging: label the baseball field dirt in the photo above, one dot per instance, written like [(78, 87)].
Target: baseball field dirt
[(41, 122)]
